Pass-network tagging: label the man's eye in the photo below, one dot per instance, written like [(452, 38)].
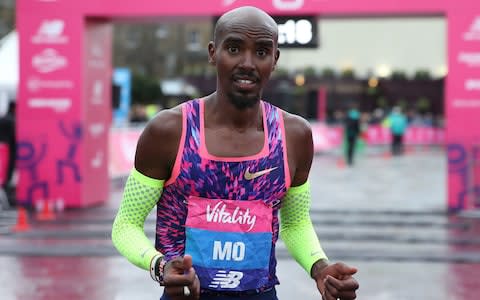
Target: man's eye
[(261, 52), (232, 49)]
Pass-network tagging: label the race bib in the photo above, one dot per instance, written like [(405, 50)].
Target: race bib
[(230, 242)]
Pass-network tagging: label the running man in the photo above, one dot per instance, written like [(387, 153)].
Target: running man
[(228, 173)]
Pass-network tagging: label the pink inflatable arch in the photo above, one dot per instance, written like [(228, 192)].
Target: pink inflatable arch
[(65, 71)]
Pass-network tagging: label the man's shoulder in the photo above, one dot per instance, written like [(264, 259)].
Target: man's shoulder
[(166, 122), (158, 143), (296, 124)]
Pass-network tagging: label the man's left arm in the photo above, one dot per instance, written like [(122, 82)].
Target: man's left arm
[(296, 229)]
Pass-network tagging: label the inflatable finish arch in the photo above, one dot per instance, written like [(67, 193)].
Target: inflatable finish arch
[(65, 72)]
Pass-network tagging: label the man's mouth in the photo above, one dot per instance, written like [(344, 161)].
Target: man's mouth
[(245, 83)]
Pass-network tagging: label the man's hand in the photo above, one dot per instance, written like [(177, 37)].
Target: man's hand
[(335, 281), (178, 275)]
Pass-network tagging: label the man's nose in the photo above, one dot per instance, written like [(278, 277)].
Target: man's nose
[(248, 61)]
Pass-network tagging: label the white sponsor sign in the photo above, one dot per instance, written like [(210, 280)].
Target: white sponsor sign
[(97, 129), (49, 60), (471, 59), (97, 63), (35, 84), (97, 160), (97, 92), (97, 57), (473, 33), (288, 4), (59, 105), (228, 2), (472, 84), (278, 4), (96, 50), (466, 103), (50, 32)]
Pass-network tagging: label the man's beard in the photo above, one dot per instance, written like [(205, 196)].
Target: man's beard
[(243, 101)]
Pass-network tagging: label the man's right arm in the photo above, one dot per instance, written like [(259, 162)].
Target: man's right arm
[(140, 195), (157, 147), (154, 158)]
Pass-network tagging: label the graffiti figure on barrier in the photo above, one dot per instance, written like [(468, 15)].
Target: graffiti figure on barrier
[(465, 163), (28, 159), (74, 136)]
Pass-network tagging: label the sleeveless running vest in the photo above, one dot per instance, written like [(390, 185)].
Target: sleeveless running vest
[(224, 210)]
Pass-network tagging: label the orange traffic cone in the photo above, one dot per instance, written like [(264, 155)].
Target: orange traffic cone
[(22, 221), (409, 149), (46, 214), (387, 155), (341, 163)]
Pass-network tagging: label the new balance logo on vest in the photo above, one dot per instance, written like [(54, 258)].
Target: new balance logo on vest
[(226, 280)]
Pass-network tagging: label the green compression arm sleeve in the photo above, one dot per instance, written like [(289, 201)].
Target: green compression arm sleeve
[(140, 195), (296, 228)]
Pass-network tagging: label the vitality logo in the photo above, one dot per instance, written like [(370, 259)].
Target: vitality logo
[(220, 214)]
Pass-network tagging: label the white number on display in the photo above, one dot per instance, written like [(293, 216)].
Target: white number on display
[(292, 32)]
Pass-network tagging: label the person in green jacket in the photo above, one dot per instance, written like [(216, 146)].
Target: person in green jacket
[(397, 122), (352, 130)]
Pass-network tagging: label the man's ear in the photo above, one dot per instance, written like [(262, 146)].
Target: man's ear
[(211, 53), (277, 56)]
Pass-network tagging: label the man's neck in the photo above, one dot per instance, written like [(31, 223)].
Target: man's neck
[(221, 111)]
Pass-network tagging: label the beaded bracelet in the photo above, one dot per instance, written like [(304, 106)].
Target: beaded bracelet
[(157, 265)]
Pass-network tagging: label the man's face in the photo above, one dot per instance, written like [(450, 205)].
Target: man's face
[(245, 55)]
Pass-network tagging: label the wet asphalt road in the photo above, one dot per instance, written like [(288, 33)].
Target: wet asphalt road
[(385, 216)]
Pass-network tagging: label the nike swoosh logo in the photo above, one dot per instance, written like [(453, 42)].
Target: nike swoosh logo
[(250, 176)]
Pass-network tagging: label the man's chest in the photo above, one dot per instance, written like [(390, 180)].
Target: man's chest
[(228, 143)]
